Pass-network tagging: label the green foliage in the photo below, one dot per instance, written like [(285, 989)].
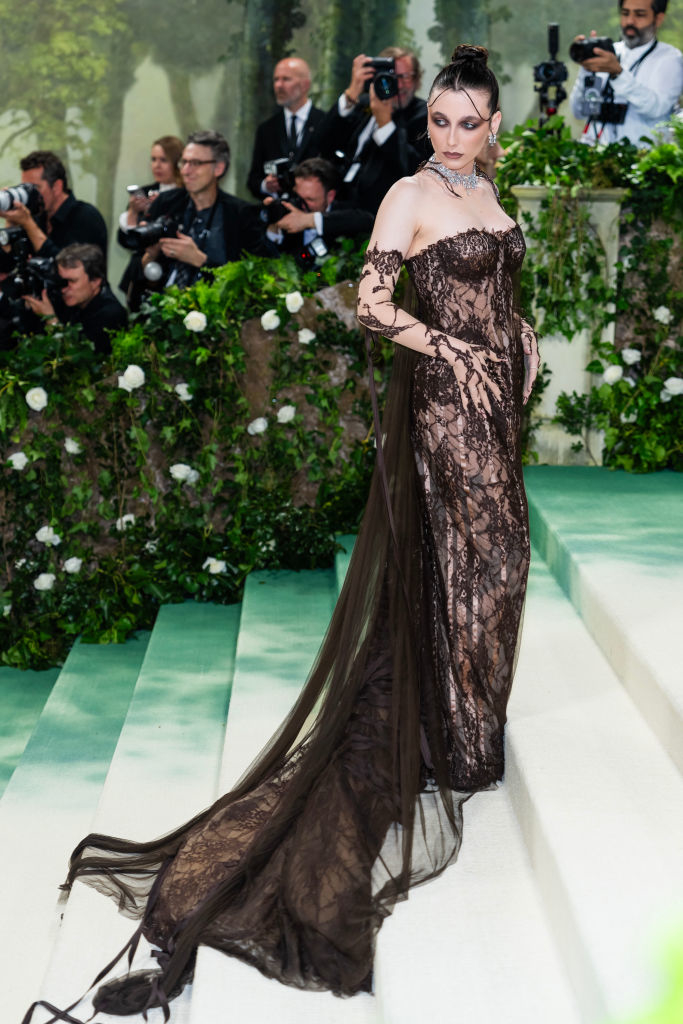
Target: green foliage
[(636, 403), (154, 496)]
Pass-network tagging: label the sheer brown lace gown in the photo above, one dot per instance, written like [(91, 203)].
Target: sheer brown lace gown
[(294, 870)]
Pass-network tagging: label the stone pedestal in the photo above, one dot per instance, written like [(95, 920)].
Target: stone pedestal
[(567, 359)]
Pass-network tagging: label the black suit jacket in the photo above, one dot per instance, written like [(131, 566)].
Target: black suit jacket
[(271, 143), (381, 166), (340, 221), (75, 221), (242, 226)]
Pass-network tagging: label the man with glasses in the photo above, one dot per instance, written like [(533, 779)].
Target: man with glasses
[(382, 140), (213, 227)]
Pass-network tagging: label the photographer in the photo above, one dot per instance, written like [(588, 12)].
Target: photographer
[(382, 139), (67, 219), (85, 297), (627, 93), (315, 212), (204, 227), (289, 134)]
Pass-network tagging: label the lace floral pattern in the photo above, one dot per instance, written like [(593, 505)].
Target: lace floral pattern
[(294, 870)]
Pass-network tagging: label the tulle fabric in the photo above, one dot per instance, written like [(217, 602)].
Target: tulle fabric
[(359, 795)]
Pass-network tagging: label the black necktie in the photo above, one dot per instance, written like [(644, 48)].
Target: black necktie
[(293, 137)]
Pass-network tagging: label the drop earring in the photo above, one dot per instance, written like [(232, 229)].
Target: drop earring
[(492, 138)]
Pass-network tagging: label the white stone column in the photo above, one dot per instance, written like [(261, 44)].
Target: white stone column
[(567, 359)]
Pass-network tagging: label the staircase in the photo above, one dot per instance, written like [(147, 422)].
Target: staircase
[(569, 874)]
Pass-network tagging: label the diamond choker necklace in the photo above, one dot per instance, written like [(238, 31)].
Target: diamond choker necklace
[(455, 177)]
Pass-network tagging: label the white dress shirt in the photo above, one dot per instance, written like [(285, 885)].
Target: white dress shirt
[(651, 91)]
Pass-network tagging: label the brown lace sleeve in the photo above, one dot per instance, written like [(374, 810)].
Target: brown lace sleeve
[(378, 312)]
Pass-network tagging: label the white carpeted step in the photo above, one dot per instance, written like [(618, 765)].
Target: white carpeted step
[(284, 618), (614, 541), (599, 801), (50, 801), (164, 771)]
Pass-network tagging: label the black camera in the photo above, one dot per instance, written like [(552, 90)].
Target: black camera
[(144, 235), (550, 74), (385, 82), (599, 103), (27, 194), (29, 274), (584, 49), (276, 210)]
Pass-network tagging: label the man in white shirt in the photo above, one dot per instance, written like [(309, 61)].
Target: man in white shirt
[(643, 73)]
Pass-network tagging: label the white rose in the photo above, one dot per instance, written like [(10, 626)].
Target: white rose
[(125, 521), (18, 459), (665, 396), (294, 301), (133, 377), (612, 374), (151, 546), (71, 446), (180, 471), (305, 336), (36, 399), (195, 321), (183, 392), (45, 581), (257, 426), (6, 609), (192, 476), (73, 565), (631, 355), (46, 535), (662, 315), (674, 385), (286, 413), (214, 565), (270, 320)]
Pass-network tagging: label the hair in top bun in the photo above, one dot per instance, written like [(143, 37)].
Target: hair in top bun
[(467, 52), (469, 70)]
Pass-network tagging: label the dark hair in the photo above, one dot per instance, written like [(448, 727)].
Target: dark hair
[(173, 150), (91, 256), (52, 167), (468, 69), (658, 6), (403, 51), (323, 170), (216, 142)]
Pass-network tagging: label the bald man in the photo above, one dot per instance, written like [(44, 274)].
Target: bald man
[(289, 133)]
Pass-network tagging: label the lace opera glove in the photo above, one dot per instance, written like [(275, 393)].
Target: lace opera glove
[(532, 360)]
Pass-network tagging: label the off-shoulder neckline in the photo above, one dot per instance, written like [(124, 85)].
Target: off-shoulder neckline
[(497, 232)]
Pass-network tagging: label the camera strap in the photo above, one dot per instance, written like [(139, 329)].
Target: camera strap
[(634, 67)]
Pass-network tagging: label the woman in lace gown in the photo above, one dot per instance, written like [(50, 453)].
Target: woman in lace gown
[(294, 870)]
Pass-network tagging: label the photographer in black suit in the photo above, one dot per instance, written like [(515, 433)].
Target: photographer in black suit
[(291, 133), (383, 140), (209, 227), (316, 212)]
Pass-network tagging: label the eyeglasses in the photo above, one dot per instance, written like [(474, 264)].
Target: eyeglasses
[(194, 164)]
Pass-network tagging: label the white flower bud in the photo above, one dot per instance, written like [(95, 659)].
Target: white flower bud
[(612, 374), (286, 413), (182, 390), (71, 446), (19, 460), (631, 355), (195, 321), (294, 301), (45, 581), (305, 336), (46, 535), (270, 320), (73, 565), (36, 399), (257, 426), (662, 315)]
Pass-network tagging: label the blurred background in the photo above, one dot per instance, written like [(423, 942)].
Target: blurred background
[(98, 82)]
